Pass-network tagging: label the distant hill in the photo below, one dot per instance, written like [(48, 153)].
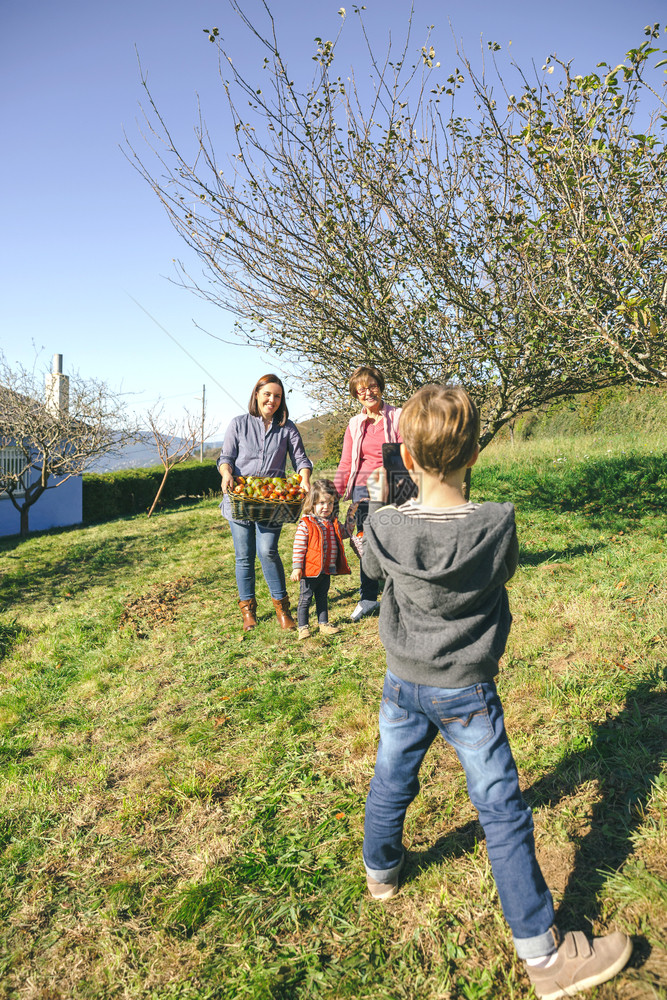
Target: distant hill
[(609, 411), (142, 455), (313, 433)]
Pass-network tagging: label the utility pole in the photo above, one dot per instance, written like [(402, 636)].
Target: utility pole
[(203, 420)]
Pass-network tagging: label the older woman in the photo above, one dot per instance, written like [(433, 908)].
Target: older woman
[(366, 432), (257, 443)]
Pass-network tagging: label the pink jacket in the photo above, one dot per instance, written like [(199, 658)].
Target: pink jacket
[(350, 461)]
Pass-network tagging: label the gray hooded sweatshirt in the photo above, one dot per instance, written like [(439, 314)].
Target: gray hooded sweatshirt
[(444, 614)]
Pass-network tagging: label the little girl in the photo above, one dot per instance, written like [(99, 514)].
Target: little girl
[(318, 554)]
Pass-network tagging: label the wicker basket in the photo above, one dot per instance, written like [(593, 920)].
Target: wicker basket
[(265, 511)]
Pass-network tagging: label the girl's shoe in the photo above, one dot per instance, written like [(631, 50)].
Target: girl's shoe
[(327, 629), (304, 632)]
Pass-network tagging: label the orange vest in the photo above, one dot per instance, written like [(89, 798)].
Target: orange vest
[(315, 551)]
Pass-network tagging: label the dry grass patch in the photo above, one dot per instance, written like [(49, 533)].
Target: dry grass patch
[(155, 608)]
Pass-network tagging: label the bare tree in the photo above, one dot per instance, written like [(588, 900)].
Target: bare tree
[(51, 439), (522, 254), (176, 439)]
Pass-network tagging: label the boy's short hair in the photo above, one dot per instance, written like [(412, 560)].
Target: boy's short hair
[(440, 427), (362, 376)]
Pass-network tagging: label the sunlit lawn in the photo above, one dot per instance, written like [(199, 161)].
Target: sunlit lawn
[(182, 805)]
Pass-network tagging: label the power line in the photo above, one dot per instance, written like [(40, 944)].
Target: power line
[(185, 351)]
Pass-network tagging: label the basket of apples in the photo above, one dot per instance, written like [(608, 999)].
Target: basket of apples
[(269, 499)]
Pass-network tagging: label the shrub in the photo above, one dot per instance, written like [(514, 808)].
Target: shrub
[(109, 495), (608, 411)]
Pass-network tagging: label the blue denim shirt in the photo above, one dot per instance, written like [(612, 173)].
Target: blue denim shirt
[(252, 450)]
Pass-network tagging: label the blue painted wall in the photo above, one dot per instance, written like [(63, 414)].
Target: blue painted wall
[(57, 508)]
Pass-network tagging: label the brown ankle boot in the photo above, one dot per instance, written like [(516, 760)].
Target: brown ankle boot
[(282, 611), (248, 610)]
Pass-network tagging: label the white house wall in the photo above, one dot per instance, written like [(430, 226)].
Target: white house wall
[(57, 508)]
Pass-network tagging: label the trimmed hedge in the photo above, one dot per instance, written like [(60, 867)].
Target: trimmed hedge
[(108, 495)]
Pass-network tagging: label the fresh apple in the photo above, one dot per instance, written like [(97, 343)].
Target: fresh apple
[(272, 488)]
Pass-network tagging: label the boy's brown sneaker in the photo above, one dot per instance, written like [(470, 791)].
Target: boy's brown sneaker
[(581, 964), (304, 632), (327, 629), (385, 890)]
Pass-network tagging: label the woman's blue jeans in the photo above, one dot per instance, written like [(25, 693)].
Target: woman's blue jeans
[(251, 540), (369, 588), (471, 720)]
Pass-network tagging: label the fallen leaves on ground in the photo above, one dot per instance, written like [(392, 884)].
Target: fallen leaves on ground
[(156, 607)]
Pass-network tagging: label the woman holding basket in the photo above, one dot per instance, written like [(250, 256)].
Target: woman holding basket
[(257, 443)]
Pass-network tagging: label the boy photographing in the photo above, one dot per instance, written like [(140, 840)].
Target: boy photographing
[(444, 623)]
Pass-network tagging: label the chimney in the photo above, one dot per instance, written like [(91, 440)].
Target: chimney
[(57, 388)]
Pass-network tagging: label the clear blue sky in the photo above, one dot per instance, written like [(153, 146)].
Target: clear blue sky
[(82, 235)]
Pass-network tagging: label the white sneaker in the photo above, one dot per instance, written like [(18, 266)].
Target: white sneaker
[(363, 609)]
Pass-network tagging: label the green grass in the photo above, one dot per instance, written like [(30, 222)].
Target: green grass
[(182, 804)]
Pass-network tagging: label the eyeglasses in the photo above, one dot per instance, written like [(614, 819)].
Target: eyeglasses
[(365, 390)]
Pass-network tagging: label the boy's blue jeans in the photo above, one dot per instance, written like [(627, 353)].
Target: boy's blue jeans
[(471, 721), (252, 539)]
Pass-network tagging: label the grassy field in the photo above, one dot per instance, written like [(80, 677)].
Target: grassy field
[(182, 805)]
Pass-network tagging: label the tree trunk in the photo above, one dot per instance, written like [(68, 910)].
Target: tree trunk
[(159, 492), (30, 497), (24, 510), (466, 484)]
